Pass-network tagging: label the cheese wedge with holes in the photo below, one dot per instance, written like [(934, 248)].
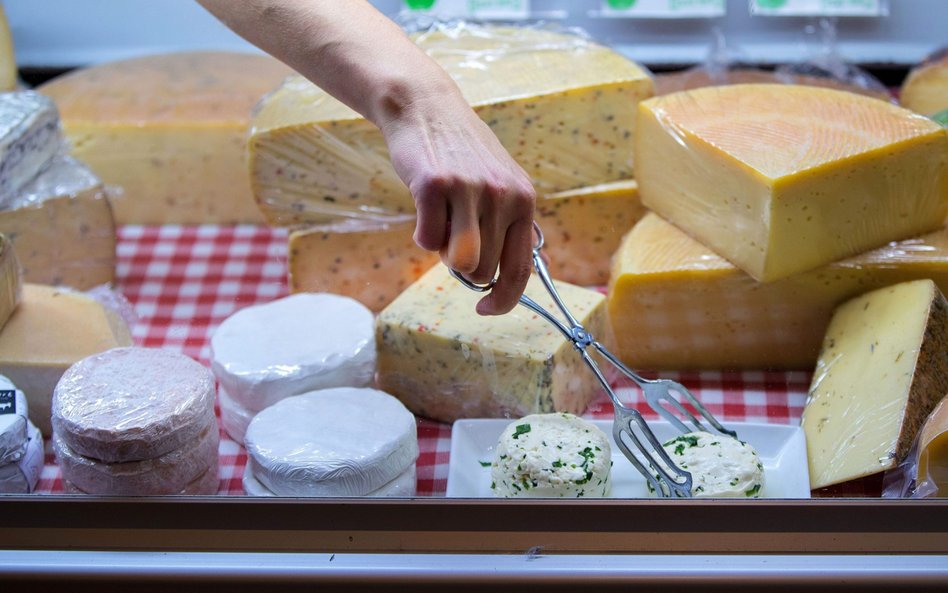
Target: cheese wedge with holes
[(7, 57), (780, 179), (925, 90), (445, 362), (10, 283), (563, 107), (882, 370), (675, 304), (170, 130)]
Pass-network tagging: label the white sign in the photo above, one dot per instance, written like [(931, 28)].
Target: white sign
[(482, 9), (667, 9), (820, 7)]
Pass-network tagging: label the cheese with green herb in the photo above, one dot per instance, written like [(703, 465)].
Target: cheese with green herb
[(720, 466)]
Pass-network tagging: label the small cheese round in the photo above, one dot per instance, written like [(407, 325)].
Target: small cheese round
[(333, 442), (300, 343), (21, 476), (14, 434), (130, 404), (235, 418), (551, 455), (402, 486), (720, 466), (206, 483)]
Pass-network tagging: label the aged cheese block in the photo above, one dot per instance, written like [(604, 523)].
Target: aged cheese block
[(925, 90), (51, 330), (881, 372), (10, 283), (402, 486), (127, 404), (933, 452), (445, 362), (62, 227), (780, 179), (7, 57), (22, 475), (14, 419), (207, 483), (675, 304), (170, 130), (563, 106), (29, 139)]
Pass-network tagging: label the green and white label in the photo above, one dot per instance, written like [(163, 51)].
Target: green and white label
[(483, 9), (820, 7), (663, 8)]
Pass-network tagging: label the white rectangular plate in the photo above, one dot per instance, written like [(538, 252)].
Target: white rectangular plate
[(781, 448)]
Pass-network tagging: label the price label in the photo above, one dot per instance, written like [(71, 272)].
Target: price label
[(667, 9), (482, 9), (820, 7)]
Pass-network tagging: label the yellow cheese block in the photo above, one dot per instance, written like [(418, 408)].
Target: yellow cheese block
[(780, 179), (49, 331), (925, 90), (933, 452), (7, 57), (882, 370), (674, 304), (170, 130), (445, 362), (62, 228), (563, 106), (10, 284)]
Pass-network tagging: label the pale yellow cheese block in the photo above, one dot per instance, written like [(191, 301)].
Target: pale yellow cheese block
[(445, 362), (675, 304), (10, 280), (780, 179), (62, 228), (563, 106), (49, 331), (925, 90), (170, 130), (8, 69), (933, 451), (882, 370)]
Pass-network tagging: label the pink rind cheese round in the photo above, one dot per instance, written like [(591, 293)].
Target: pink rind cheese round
[(207, 483)]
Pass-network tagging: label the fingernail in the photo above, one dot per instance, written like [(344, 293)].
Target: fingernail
[(482, 308)]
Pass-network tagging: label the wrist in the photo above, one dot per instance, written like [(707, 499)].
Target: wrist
[(413, 98)]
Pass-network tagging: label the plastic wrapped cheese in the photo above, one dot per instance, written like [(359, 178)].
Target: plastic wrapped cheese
[(21, 476), (133, 403), (333, 442), (235, 418), (30, 137), (207, 483), (10, 280), (925, 89), (264, 353), (402, 486), (14, 418)]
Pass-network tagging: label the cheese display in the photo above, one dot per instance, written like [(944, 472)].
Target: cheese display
[(333, 442), (14, 418), (22, 475), (925, 90), (932, 473), (265, 353), (62, 227), (675, 304), (402, 486), (445, 362), (720, 466), (207, 483), (551, 455), (29, 139), (128, 404), (563, 106), (10, 284), (780, 179), (7, 57), (51, 330), (170, 130), (881, 372), (235, 418), (371, 262)]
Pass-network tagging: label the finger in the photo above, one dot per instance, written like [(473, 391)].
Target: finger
[(516, 263), (431, 224), (492, 240), (464, 241)]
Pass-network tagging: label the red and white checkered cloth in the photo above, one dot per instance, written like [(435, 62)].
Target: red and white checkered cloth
[(184, 281)]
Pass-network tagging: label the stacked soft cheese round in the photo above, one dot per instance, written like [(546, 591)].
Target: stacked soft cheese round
[(304, 342), (720, 466), (136, 421), (333, 442), (21, 443)]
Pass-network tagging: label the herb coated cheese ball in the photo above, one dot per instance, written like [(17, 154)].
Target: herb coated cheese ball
[(720, 466)]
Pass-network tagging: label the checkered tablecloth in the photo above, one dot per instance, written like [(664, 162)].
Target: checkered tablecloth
[(184, 281)]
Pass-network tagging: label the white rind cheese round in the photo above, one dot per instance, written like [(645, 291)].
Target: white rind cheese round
[(720, 466), (333, 442), (21, 476), (551, 455), (207, 483), (169, 474), (404, 485), (304, 342), (130, 404), (14, 434), (235, 418)]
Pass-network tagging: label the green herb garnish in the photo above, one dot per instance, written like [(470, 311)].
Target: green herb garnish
[(521, 429)]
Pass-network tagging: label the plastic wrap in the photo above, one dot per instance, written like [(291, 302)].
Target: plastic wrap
[(333, 442), (234, 417), (208, 483), (30, 137), (781, 179), (402, 486), (11, 289), (675, 304), (562, 105), (14, 418), (21, 476), (445, 362), (925, 89), (924, 472), (129, 404), (265, 353), (170, 473)]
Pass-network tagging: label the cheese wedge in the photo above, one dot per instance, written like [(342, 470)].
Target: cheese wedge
[(933, 452), (7, 57), (925, 90), (29, 139), (881, 371), (563, 106), (10, 284), (674, 304), (170, 130), (445, 362), (780, 179), (50, 330)]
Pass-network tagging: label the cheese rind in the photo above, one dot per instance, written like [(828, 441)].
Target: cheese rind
[(29, 139), (881, 372), (11, 290), (235, 418), (402, 486), (780, 179), (925, 90)]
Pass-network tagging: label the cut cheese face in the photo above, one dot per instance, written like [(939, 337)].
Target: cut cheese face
[(881, 372), (563, 107), (780, 179), (445, 362), (7, 57), (170, 130), (933, 452), (925, 90), (10, 283), (29, 139), (675, 304)]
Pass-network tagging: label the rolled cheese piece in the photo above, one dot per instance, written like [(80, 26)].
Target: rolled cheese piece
[(551, 455), (333, 442), (402, 486), (168, 474), (129, 404), (21, 476), (720, 466), (10, 285), (29, 139), (235, 418), (206, 483), (265, 353), (14, 419)]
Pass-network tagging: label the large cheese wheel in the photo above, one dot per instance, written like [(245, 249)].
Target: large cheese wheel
[(207, 483), (402, 486), (235, 418)]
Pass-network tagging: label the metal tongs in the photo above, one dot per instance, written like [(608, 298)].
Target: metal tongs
[(649, 457)]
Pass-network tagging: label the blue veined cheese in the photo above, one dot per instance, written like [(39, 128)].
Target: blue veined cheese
[(445, 362), (720, 466), (551, 455), (30, 137)]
